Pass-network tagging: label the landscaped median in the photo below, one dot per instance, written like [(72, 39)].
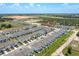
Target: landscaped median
[(54, 45)]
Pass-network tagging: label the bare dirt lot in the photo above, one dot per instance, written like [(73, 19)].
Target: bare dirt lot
[(20, 17)]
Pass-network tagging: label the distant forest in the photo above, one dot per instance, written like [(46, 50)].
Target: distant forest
[(68, 21)]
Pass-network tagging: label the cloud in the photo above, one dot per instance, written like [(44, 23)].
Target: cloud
[(16, 6), (65, 4), (2, 5), (31, 4), (26, 6), (38, 5)]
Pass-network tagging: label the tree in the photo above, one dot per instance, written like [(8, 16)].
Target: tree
[(2, 25), (7, 49), (2, 51), (69, 49), (77, 34), (20, 43), (5, 26), (66, 54), (12, 47), (8, 25)]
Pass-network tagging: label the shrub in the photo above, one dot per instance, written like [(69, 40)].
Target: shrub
[(77, 34)]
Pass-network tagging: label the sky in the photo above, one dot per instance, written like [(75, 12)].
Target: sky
[(26, 8)]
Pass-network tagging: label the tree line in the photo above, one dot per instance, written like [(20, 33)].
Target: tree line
[(62, 21)]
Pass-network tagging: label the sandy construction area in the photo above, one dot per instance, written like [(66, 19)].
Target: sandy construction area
[(20, 17)]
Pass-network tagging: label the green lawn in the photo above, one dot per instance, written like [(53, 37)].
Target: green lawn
[(54, 45), (74, 49)]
